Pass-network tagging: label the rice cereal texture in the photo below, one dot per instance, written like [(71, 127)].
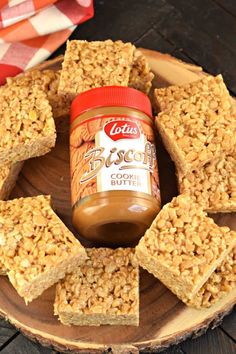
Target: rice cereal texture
[(88, 65), (48, 81), (27, 127), (183, 247), (194, 132), (211, 87), (213, 186), (220, 283), (104, 290), (140, 74), (36, 248)]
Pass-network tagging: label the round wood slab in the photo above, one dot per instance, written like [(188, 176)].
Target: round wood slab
[(164, 320)]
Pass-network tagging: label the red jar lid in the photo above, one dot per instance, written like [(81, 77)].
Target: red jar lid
[(108, 96)]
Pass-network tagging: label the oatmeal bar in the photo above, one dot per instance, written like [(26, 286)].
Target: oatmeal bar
[(48, 81), (36, 247), (88, 65), (27, 128), (140, 74), (210, 87), (220, 283), (194, 133), (105, 290), (8, 176), (213, 186), (183, 246)]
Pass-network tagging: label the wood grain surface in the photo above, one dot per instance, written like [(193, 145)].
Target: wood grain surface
[(164, 320)]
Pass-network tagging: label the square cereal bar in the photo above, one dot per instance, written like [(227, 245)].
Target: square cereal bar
[(27, 128), (220, 283), (104, 290), (48, 81), (210, 87), (183, 246), (36, 247), (94, 64), (194, 132), (140, 75), (8, 177), (213, 186)]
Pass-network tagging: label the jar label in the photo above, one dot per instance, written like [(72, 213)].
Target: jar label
[(113, 153)]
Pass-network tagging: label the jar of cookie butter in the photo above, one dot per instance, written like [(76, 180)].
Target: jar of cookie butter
[(114, 176)]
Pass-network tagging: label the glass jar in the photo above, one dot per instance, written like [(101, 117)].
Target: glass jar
[(114, 177)]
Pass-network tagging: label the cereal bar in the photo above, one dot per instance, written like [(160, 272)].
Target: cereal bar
[(48, 81), (221, 282), (183, 246), (194, 133), (210, 87), (27, 128), (88, 65), (213, 186), (140, 74), (8, 176), (104, 290), (36, 247)]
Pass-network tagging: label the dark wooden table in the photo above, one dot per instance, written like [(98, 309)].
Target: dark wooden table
[(198, 31)]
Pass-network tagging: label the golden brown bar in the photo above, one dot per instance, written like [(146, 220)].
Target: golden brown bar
[(140, 75), (27, 128), (48, 81), (183, 247), (210, 87), (213, 186), (220, 283), (8, 177), (194, 133), (88, 65), (105, 290), (36, 247)]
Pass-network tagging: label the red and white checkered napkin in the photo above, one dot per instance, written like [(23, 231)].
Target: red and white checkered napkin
[(31, 30)]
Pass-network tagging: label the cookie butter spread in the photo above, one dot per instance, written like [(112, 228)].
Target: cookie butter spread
[(114, 177)]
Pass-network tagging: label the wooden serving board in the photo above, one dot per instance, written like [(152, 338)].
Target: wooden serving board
[(164, 320)]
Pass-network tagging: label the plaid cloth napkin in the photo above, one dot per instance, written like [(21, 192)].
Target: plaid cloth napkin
[(30, 30)]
